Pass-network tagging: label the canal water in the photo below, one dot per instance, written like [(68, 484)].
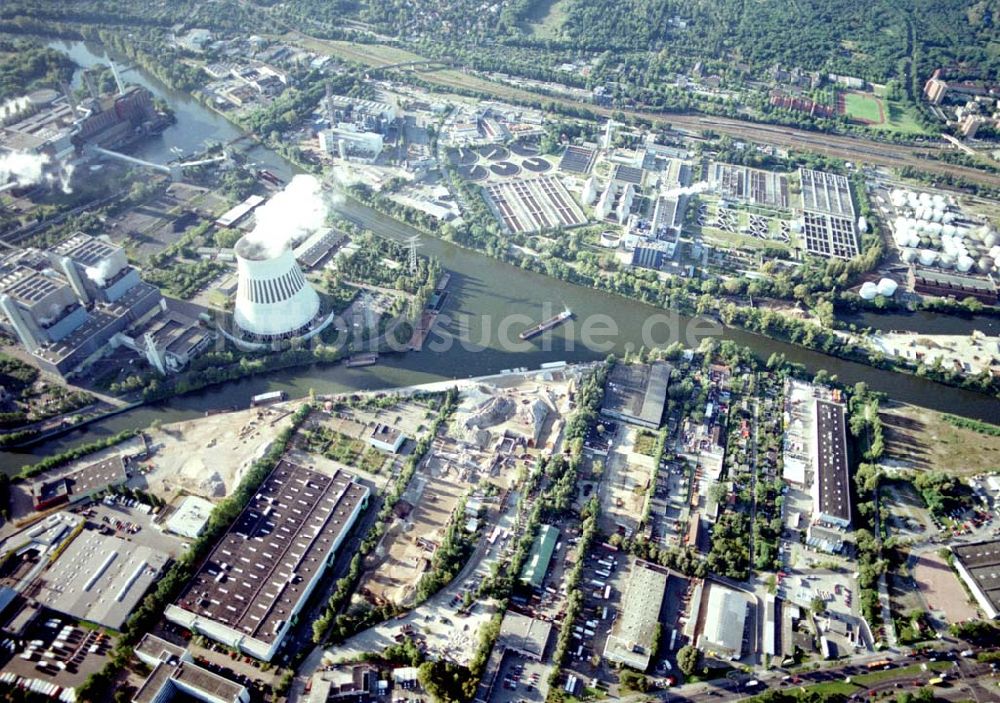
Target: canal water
[(484, 294)]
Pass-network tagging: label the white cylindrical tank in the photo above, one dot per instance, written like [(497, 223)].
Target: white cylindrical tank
[(927, 257), (964, 263), (908, 255), (887, 287), (273, 298), (868, 290)]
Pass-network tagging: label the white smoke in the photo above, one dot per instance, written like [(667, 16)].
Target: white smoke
[(23, 169), (290, 216), (692, 189), (101, 273)]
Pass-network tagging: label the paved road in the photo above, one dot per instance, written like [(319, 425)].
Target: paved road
[(969, 680)]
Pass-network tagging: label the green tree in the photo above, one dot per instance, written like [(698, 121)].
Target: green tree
[(688, 659)]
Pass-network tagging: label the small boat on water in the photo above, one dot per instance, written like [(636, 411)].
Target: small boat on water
[(546, 325)]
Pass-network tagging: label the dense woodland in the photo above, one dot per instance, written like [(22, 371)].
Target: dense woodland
[(633, 49), (24, 65)]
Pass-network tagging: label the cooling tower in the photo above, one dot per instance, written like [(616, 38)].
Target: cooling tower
[(273, 298)]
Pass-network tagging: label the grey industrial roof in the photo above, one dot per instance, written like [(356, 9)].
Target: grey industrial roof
[(524, 634), (725, 619), (982, 561), (100, 578), (638, 391), (631, 638), (190, 676)]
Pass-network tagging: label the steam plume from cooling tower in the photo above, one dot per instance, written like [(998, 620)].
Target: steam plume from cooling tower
[(289, 217)]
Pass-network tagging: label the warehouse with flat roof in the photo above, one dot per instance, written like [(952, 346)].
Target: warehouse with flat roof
[(523, 635), (249, 591), (632, 636), (831, 490), (725, 622), (979, 566), (637, 393), (99, 578)]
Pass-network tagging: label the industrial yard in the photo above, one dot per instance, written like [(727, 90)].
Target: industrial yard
[(201, 218)]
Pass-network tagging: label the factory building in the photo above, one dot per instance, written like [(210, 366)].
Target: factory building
[(99, 578), (250, 590), (979, 566), (79, 485), (725, 622), (537, 564), (345, 141), (273, 298), (831, 491), (634, 632), (636, 393)]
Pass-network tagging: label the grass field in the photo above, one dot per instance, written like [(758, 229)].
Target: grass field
[(900, 118), (914, 671), (368, 54), (922, 439), (861, 106), (741, 241), (546, 18)]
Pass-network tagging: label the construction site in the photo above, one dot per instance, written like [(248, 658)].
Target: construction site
[(494, 437)]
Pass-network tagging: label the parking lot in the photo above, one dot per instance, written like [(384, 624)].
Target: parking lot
[(134, 525), (56, 649), (521, 679)]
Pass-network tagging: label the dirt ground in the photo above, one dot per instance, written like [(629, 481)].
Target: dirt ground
[(149, 227), (907, 514), (919, 438), (941, 589), (207, 456), (400, 559)]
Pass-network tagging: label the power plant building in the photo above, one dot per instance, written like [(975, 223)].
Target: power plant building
[(345, 141), (71, 304), (250, 590)]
